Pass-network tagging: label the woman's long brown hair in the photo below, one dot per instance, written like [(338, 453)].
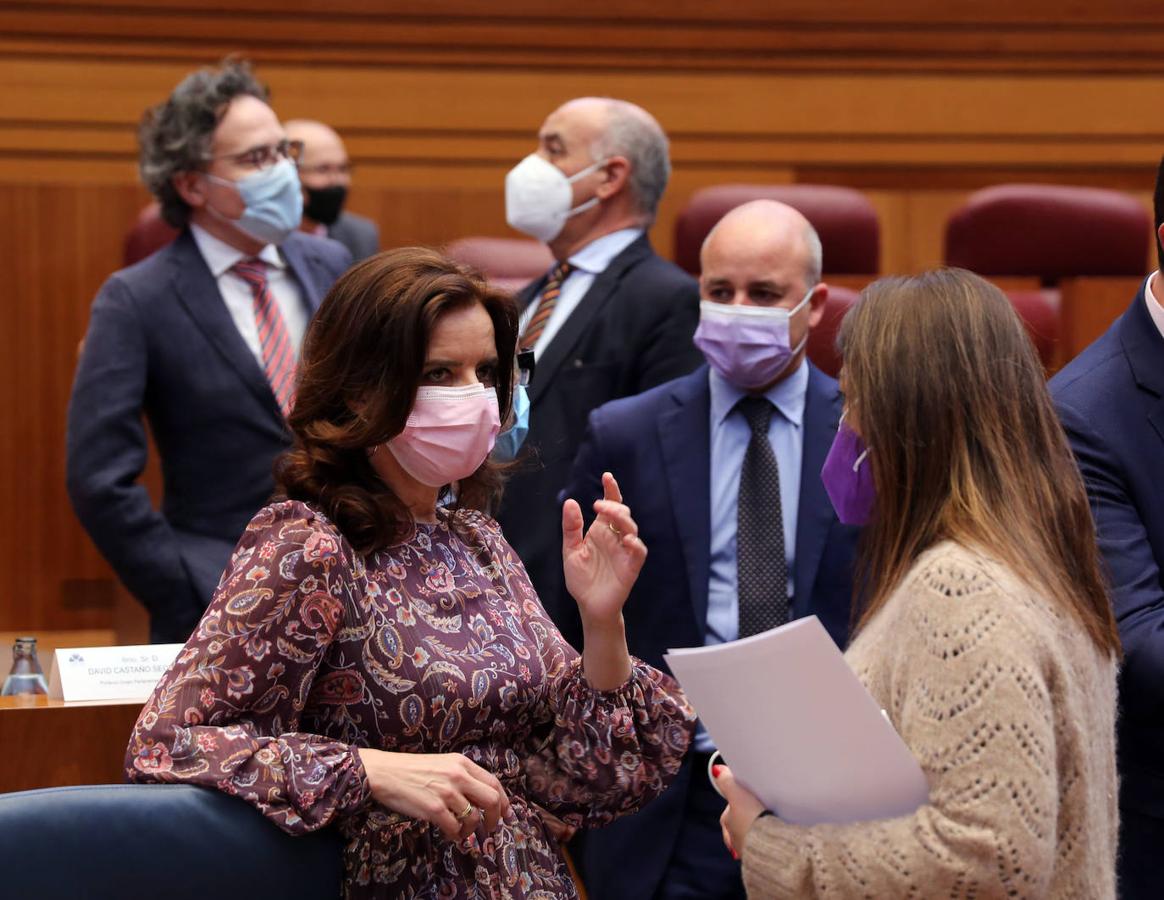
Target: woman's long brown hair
[(946, 390), (363, 357)]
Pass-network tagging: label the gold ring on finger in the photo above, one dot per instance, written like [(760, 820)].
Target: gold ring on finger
[(465, 813), (617, 533)]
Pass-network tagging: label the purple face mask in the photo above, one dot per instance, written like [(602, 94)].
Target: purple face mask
[(748, 345), (848, 482)]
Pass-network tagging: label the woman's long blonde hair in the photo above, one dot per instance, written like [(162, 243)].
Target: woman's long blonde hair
[(945, 388)]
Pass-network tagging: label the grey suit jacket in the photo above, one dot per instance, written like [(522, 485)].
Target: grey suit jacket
[(359, 235)]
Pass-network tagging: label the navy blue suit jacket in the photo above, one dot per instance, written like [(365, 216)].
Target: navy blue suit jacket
[(658, 446), (162, 343), (1111, 401), (632, 331)]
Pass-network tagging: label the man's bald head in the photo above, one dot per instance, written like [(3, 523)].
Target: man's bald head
[(324, 160), (610, 127), (308, 130), (766, 230), (766, 254)]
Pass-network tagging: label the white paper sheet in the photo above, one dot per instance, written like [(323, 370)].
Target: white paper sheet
[(798, 728)]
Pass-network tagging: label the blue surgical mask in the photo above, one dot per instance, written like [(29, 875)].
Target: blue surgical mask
[(274, 202), (509, 441)]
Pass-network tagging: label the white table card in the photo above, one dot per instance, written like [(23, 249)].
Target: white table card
[(110, 673)]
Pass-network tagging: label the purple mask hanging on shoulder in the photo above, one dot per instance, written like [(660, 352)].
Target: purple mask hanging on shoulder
[(847, 480)]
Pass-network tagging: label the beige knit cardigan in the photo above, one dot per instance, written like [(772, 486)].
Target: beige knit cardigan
[(1010, 710)]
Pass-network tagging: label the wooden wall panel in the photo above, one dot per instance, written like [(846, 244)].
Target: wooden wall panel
[(913, 103), (856, 35)]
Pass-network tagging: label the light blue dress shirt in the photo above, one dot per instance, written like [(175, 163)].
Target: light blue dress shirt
[(730, 434), (589, 262)]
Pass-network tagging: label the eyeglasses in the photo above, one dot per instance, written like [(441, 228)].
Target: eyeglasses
[(264, 157), (326, 169)]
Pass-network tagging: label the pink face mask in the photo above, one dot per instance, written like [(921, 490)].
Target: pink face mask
[(449, 433)]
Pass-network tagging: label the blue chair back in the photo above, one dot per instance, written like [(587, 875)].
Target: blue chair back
[(173, 841)]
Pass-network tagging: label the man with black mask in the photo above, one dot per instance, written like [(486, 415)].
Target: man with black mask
[(326, 176)]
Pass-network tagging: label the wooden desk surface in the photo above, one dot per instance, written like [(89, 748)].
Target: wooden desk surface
[(50, 743)]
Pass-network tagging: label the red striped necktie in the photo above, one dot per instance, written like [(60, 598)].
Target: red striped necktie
[(274, 339), (537, 324)]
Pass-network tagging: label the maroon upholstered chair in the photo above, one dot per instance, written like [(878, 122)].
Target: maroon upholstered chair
[(822, 340), (508, 263), (149, 234), (1052, 233), (1049, 232), (846, 221), (1039, 311)]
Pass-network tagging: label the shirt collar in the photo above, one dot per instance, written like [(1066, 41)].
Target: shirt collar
[(1155, 310), (787, 395), (221, 256), (597, 255)]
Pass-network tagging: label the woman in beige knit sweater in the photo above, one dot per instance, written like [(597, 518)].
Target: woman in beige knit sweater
[(985, 631)]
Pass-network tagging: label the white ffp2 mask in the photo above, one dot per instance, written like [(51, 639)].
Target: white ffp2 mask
[(538, 197)]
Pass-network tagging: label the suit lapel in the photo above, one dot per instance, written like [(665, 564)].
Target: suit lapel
[(822, 411), (296, 254), (685, 440), (572, 330), (197, 291), (1144, 347), (526, 295)]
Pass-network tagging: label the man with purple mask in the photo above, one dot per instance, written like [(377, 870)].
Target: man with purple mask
[(723, 469)]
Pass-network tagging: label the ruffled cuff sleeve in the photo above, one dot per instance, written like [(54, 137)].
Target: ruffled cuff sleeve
[(609, 752)]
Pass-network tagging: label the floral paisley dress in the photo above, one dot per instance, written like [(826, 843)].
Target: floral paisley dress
[(435, 645)]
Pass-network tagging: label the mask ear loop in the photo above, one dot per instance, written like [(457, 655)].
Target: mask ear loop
[(792, 312), (582, 173), (860, 459)]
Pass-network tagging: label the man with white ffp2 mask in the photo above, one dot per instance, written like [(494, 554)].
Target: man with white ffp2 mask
[(609, 319), (201, 340), (724, 466)]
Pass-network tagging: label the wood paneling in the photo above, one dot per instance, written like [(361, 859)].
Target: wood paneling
[(48, 743), (913, 102), (689, 35)]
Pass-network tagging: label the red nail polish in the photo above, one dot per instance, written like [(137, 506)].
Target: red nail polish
[(735, 855), (715, 770)]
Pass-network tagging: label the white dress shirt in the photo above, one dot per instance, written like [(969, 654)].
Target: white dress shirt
[(240, 301), (588, 263), (1155, 304)]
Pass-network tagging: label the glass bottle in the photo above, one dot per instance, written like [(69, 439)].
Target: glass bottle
[(26, 676)]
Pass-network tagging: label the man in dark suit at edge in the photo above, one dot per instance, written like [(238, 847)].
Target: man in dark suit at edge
[(202, 338), (1110, 399), (610, 319), (722, 469)]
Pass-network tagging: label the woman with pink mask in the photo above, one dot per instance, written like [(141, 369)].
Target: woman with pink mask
[(375, 656)]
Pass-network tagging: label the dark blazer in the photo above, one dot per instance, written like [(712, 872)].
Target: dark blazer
[(162, 342), (658, 446), (1111, 401), (359, 235), (631, 331)]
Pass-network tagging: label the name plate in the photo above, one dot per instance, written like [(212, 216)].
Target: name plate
[(110, 673)]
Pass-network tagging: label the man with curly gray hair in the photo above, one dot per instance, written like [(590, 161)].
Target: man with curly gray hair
[(199, 340)]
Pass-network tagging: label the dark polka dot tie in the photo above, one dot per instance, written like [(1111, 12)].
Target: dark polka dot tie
[(761, 567)]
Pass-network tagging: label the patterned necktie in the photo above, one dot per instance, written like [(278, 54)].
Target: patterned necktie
[(761, 568), (537, 324), (278, 354)]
